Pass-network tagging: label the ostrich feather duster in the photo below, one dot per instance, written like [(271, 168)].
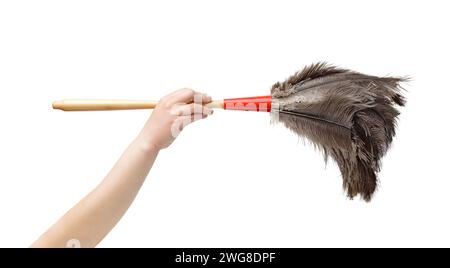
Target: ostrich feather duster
[(350, 116)]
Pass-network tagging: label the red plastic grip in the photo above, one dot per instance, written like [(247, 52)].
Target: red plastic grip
[(258, 104)]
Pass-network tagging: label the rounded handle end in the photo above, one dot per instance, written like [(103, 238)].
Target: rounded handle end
[(57, 105)]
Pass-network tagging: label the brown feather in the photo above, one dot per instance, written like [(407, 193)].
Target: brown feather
[(348, 115)]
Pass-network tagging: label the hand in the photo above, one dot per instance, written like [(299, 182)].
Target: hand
[(172, 114)]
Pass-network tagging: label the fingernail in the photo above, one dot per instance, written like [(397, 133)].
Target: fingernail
[(207, 98), (208, 111)]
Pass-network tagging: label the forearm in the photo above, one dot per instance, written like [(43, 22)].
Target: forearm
[(96, 214)]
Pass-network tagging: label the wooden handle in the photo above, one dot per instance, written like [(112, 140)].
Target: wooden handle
[(104, 105)]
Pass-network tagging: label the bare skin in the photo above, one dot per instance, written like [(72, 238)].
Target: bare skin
[(89, 221)]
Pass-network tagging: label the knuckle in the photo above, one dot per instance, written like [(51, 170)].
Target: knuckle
[(189, 91)]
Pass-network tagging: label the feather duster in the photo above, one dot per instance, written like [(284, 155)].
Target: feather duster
[(351, 117)]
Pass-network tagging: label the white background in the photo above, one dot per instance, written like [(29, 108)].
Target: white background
[(233, 180)]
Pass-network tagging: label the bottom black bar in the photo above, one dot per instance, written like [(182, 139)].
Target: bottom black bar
[(211, 257)]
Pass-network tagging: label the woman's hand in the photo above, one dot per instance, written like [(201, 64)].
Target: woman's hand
[(171, 115)]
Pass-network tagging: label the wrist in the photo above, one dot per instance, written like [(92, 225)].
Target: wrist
[(146, 145)]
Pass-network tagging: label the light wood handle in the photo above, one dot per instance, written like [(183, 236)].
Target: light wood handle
[(103, 105)]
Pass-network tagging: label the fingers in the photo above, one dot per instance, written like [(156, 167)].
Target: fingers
[(182, 121), (186, 95), (205, 98), (192, 108), (185, 106)]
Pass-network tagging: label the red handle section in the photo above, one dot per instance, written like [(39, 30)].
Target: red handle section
[(258, 104)]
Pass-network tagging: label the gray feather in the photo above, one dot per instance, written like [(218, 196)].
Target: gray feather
[(350, 116)]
